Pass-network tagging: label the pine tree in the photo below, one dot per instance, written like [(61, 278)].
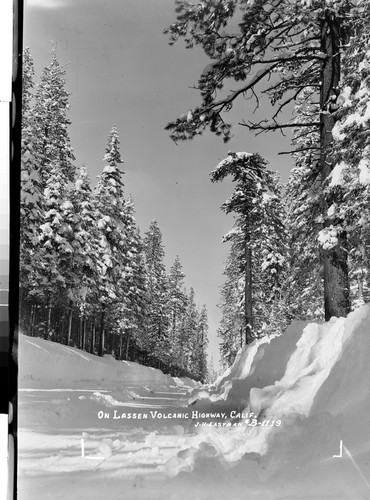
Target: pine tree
[(82, 291), (157, 329), (176, 306), (131, 310), (188, 333), (350, 178), (344, 192), (51, 123), (112, 244), (199, 351), (290, 47), (211, 372), (304, 220), (258, 231), (31, 209), (55, 171), (231, 328)]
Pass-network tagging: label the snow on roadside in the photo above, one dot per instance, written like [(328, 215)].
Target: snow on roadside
[(320, 375), (260, 364), (47, 364)]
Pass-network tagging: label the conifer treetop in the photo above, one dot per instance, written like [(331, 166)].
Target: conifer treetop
[(112, 154)]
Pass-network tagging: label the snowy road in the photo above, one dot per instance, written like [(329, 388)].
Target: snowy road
[(68, 452), (116, 433)]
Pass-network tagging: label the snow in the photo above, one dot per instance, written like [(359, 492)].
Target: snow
[(328, 238), (311, 384), (108, 169), (232, 158), (338, 135), (66, 205), (337, 174), (352, 119), (78, 184), (332, 209), (364, 167), (344, 97), (46, 364)]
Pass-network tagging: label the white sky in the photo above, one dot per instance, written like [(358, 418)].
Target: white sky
[(121, 70)]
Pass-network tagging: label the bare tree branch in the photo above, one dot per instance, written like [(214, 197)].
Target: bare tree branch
[(317, 148), (276, 126), (229, 99)]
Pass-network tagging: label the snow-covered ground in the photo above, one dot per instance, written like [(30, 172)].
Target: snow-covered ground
[(289, 420)]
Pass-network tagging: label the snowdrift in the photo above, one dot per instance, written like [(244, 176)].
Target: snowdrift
[(317, 383), (46, 364), (259, 365)]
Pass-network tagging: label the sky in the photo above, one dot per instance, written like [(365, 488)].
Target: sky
[(120, 70)]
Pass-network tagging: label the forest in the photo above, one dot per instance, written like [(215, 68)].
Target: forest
[(87, 276), (299, 250)]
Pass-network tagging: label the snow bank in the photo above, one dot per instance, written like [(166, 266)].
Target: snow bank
[(315, 382), (258, 365), (45, 364)]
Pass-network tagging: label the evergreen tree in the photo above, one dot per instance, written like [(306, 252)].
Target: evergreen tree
[(176, 306), (82, 291), (55, 168), (188, 333), (199, 353), (51, 124), (344, 190), (304, 221), (157, 329), (110, 218), (31, 204), (211, 372), (131, 309), (348, 191), (258, 230), (231, 328)]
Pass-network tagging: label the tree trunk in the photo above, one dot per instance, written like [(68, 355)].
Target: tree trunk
[(120, 345), (92, 346), (48, 320), (83, 331), (360, 284), (33, 318), (78, 333), (336, 282), (101, 339), (70, 316), (127, 345), (248, 318)]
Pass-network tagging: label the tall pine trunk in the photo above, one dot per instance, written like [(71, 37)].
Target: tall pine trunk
[(48, 319), (127, 345), (33, 320), (336, 282), (248, 318), (83, 331), (92, 345), (101, 337), (120, 344), (70, 316)]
